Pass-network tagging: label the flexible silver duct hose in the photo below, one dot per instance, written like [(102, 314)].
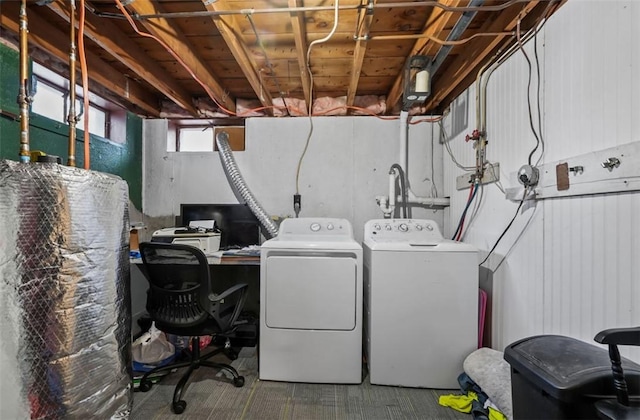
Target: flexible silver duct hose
[(238, 183)]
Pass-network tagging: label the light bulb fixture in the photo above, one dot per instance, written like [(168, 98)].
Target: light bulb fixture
[(417, 80)]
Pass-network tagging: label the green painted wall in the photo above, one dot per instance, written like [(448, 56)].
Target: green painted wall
[(51, 137)]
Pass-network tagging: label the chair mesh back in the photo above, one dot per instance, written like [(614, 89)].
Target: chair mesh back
[(178, 278)]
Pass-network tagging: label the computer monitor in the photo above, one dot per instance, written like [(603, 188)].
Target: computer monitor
[(237, 223)]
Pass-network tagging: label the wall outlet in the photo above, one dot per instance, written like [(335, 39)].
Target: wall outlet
[(491, 174)]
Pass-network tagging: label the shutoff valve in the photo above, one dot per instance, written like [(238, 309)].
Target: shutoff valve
[(475, 135)]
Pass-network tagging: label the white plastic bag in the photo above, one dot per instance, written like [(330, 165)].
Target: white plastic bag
[(152, 347)]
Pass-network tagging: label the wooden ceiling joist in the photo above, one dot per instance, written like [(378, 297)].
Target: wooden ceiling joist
[(363, 23), (129, 54), (225, 25), (467, 64), (433, 27), (257, 50), (532, 19), (300, 36), (172, 36), (49, 38)]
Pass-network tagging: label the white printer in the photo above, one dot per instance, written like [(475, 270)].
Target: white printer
[(201, 234)]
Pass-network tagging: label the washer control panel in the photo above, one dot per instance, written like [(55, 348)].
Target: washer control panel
[(315, 226), (404, 230)]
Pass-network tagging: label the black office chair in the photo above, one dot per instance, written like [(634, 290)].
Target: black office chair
[(622, 407), (180, 300)]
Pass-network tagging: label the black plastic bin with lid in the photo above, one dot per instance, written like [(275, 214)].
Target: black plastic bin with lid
[(558, 377)]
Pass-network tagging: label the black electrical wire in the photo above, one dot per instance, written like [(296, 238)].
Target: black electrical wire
[(458, 231), (506, 254), (538, 100), (507, 228), (529, 80), (403, 193)]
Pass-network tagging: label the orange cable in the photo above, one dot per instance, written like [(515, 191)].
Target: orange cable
[(176, 56), (85, 87), (430, 120)]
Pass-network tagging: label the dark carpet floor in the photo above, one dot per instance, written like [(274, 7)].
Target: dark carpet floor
[(211, 395)]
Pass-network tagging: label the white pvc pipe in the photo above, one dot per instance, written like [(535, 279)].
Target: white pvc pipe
[(388, 204), (404, 116), (427, 201), (392, 190), (404, 146)]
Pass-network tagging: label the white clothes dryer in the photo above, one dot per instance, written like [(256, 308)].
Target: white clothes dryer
[(420, 304), (311, 303)]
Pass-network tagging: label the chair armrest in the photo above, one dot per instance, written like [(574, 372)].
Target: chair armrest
[(619, 336), (233, 289)]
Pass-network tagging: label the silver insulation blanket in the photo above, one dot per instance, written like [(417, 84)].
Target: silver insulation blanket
[(64, 293)]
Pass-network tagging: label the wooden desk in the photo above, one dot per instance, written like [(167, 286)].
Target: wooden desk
[(215, 260), (225, 272)]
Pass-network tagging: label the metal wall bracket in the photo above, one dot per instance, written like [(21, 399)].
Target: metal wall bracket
[(592, 179)]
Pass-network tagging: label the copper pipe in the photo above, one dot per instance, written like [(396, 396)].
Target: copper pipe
[(72, 119), (23, 97), (427, 3), (85, 86), (438, 40)]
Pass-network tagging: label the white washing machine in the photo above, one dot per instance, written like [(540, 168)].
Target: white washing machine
[(420, 304), (311, 303)]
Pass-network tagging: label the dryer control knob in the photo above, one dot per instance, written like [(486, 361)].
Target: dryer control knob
[(419, 227), (403, 227), (315, 227), (429, 227), (387, 227), (330, 226), (376, 226)]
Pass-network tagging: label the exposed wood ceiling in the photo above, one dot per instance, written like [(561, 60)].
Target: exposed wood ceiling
[(218, 58)]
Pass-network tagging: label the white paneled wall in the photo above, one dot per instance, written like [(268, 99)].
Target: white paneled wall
[(345, 167), (575, 268)]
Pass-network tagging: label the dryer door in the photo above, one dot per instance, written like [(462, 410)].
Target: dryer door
[(310, 292)]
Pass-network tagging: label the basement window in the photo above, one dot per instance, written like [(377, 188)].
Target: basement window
[(194, 139), (200, 136), (51, 99)]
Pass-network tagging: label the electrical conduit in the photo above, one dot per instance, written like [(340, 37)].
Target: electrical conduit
[(238, 183)]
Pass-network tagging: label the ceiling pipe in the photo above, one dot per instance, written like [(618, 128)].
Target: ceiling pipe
[(437, 4), (459, 28), (482, 81), (434, 39)]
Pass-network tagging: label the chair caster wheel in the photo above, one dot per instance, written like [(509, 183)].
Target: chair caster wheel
[(179, 406), (231, 354), (238, 382), (145, 386)]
